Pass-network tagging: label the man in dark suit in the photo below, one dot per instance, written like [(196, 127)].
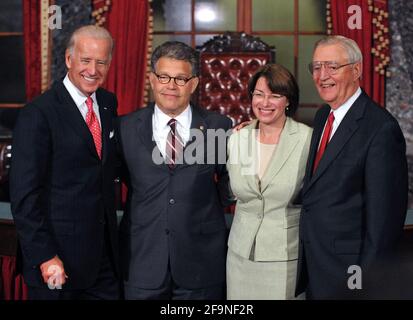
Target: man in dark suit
[(62, 179), (355, 189), (173, 233)]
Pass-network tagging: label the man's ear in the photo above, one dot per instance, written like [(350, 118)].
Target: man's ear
[(68, 59), (194, 83), (357, 70), (152, 78)]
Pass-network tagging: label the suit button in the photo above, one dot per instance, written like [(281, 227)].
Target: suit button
[(102, 221), (167, 231), (171, 201), (259, 216), (259, 197)]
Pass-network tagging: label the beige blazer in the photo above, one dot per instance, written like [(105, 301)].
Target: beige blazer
[(265, 224)]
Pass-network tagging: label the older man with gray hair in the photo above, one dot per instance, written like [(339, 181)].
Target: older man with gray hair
[(62, 176), (355, 188)]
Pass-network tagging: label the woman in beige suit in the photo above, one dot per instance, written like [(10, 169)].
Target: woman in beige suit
[(266, 165)]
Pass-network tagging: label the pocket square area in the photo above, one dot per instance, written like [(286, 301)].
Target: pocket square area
[(111, 134)]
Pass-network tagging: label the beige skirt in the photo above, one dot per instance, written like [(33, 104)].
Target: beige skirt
[(256, 280)]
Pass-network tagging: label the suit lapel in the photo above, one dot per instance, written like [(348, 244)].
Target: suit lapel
[(105, 112), (70, 113), (346, 129), (248, 155), (144, 131), (287, 143), (198, 123), (315, 138)]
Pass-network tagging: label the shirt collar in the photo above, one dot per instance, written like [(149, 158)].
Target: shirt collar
[(78, 97), (341, 111), (183, 119)]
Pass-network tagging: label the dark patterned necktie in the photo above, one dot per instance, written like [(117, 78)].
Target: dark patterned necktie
[(174, 145)]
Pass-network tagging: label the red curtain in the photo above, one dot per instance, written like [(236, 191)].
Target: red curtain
[(13, 286), (127, 21), (372, 39), (31, 30)]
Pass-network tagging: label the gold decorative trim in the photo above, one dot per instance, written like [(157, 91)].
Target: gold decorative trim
[(380, 26), (148, 55), (329, 19), (381, 43), (44, 45), (101, 7)]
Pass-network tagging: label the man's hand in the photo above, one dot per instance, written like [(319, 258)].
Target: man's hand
[(242, 125), (53, 273)]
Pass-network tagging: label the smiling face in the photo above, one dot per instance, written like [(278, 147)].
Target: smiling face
[(169, 97), (338, 88), (88, 64), (268, 107)]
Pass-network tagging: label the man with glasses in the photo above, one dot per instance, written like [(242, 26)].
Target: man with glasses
[(173, 233), (355, 188)]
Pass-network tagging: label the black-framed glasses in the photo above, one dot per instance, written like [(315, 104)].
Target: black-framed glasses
[(331, 67), (179, 81)]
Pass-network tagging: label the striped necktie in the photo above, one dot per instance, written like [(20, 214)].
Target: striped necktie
[(174, 145)]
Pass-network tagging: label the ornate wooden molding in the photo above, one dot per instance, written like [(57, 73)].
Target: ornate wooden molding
[(235, 41)]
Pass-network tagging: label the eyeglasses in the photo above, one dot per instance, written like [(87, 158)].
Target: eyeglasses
[(260, 96), (179, 81), (330, 67)]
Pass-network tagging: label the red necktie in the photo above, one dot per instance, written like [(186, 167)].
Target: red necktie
[(174, 145), (94, 127), (324, 140)]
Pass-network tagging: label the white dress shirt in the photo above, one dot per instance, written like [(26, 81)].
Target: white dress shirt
[(80, 99), (161, 129), (340, 112)]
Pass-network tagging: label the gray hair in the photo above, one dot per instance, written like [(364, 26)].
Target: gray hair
[(351, 47), (93, 32), (178, 51)]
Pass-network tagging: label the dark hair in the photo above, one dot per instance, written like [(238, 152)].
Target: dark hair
[(176, 50), (280, 81)]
